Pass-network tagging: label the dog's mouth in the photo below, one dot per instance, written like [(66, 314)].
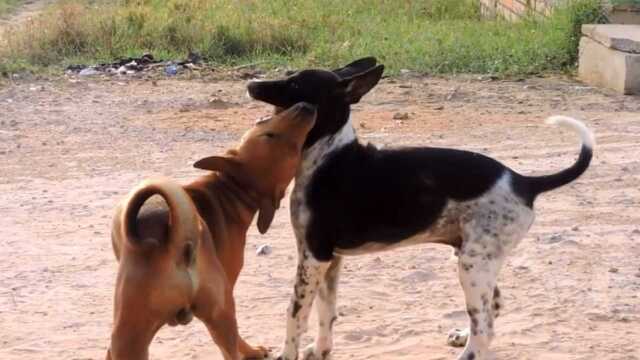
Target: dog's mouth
[(182, 317), (271, 92), (253, 89)]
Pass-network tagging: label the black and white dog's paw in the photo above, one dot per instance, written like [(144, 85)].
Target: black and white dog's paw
[(288, 354), (311, 353), (285, 357), (282, 357), (458, 337), (476, 355)]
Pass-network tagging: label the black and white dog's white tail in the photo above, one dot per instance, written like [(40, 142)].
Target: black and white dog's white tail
[(532, 186)]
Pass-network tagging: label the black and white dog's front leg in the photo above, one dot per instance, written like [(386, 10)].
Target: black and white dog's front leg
[(327, 315), (309, 277)]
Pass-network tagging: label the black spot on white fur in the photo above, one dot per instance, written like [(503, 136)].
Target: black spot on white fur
[(296, 308)]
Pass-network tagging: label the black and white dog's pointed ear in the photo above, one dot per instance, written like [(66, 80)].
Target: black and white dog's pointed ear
[(357, 86), (356, 67)]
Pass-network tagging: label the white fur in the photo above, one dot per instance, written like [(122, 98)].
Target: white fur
[(312, 158), (310, 270), (315, 155), (490, 227), (308, 278), (588, 139)]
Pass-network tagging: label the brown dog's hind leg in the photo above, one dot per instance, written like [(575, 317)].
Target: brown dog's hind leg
[(233, 265), (224, 331), (220, 319), (250, 352)]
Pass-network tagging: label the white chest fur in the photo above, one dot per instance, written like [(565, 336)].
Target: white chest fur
[(312, 158)]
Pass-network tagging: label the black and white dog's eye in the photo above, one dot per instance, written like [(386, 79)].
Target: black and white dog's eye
[(294, 85)]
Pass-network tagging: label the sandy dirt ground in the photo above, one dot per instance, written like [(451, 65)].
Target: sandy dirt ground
[(71, 148)]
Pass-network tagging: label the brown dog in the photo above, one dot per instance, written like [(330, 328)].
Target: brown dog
[(181, 252)]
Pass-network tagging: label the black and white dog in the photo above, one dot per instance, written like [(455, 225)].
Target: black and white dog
[(350, 198)]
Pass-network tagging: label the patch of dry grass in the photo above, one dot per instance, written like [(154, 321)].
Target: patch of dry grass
[(435, 36)]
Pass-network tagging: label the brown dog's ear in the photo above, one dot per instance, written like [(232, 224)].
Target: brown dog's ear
[(358, 85), (266, 213), (227, 165), (220, 164), (356, 67)]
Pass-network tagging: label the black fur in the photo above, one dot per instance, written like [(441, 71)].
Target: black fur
[(356, 67), (361, 194), (326, 89), (529, 187)]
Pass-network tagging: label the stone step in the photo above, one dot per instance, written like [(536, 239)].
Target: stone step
[(624, 38), (600, 65)]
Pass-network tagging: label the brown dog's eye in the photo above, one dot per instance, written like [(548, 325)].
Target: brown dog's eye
[(269, 135)]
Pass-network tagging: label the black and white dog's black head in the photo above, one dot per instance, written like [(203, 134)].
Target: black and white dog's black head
[(331, 91)]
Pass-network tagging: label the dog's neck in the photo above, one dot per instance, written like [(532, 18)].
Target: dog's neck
[(237, 201), (330, 120), (316, 155)]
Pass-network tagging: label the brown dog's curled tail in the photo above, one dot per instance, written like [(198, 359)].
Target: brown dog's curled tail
[(184, 225)]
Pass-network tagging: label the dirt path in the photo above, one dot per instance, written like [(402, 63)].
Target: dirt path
[(70, 150), (25, 11)]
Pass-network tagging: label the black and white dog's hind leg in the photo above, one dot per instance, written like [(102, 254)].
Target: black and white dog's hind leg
[(459, 337), (478, 279), (310, 277), (492, 226)]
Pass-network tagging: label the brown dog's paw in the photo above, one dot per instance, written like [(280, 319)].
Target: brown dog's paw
[(256, 353)]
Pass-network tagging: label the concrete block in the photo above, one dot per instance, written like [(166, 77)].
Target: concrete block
[(624, 14), (619, 37), (602, 66)]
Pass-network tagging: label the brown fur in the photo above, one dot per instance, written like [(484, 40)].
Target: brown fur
[(181, 248)]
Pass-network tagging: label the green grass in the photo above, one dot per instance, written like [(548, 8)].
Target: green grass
[(8, 5), (432, 36)]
